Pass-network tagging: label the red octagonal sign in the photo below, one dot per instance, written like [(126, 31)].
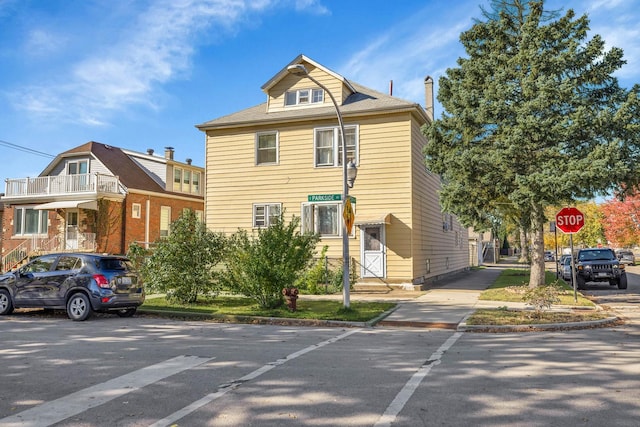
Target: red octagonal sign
[(569, 220)]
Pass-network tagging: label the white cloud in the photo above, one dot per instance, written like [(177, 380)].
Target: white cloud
[(40, 42), (157, 48)]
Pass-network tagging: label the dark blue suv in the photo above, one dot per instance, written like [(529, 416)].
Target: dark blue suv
[(79, 283)]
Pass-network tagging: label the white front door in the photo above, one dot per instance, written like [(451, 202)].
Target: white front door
[(71, 238), (373, 251)]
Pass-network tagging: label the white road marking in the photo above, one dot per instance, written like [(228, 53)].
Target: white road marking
[(60, 409), (224, 388), (410, 387)]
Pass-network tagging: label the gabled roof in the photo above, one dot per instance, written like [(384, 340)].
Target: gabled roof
[(299, 60), (362, 101), (114, 159)]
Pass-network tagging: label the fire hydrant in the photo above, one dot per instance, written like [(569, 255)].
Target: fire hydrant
[(291, 296)]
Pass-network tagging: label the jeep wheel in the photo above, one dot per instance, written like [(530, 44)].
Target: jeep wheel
[(6, 306), (78, 307), (581, 282), (622, 282)]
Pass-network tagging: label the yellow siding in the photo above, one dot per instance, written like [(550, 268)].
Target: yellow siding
[(436, 251), (234, 184), (392, 179)]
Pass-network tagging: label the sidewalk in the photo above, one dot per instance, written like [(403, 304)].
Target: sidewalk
[(446, 303)]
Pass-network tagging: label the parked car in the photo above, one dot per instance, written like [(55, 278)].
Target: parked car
[(79, 283), (626, 257), (565, 268), (549, 256), (599, 265), (562, 259)]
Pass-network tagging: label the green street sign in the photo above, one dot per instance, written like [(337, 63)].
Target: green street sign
[(327, 198)]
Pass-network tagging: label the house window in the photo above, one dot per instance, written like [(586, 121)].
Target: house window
[(29, 221), (328, 149), (78, 171), (304, 96), (78, 167), (200, 215), (321, 218), (195, 183), (136, 208), (264, 215), (165, 220), (177, 179), (186, 181), (267, 148)]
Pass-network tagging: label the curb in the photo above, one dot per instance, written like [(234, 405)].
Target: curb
[(539, 327)]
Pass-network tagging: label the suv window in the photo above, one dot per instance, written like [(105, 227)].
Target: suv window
[(39, 265), (69, 263), (114, 264)]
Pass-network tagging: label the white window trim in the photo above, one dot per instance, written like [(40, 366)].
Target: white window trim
[(168, 224), (136, 210), (336, 145), (41, 213), (277, 148), (267, 215), (315, 223), (311, 92)]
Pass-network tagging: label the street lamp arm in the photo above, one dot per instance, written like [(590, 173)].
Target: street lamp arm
[(301, 70)]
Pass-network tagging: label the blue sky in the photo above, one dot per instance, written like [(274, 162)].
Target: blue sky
[(141, 74)]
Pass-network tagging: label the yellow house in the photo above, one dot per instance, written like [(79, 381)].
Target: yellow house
[(284, 155)]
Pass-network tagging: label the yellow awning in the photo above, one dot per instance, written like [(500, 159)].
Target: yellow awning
[(69, 204)]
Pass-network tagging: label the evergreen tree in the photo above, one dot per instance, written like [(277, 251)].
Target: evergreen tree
[(533, 117)]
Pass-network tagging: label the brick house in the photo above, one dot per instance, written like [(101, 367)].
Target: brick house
[(96, 197)]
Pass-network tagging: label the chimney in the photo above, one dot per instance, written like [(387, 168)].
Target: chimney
[(390, 87), (150, 151), (189, 161), (168, 153), (428, 96)]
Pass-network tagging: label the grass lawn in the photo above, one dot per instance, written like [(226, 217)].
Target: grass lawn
[(513, 283), (359, 311), (511, 286)]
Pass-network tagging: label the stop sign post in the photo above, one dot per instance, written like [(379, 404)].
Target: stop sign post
[(569, 220)]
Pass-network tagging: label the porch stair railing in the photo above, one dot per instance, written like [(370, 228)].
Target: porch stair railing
[(40, 246)]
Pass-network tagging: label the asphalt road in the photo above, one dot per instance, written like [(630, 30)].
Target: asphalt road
[(146, 371)]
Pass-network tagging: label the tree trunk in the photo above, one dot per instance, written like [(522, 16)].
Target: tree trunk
[(524, 245), (538, 220)]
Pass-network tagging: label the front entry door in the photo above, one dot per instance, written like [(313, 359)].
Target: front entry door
[(373, 251), (71, 237)]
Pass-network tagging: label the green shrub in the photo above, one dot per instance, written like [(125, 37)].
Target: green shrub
[(182, 265), (260, 267)]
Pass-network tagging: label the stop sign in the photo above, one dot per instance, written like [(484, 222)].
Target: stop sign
[(569, 220)]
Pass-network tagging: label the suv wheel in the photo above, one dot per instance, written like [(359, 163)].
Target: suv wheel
[(622, 282), (78, 307), (126, 312), (6, 306)]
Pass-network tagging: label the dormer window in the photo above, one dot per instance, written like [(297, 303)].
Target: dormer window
[(304, 96)]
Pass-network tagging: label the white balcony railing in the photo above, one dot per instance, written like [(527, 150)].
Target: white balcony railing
[(61, 185)]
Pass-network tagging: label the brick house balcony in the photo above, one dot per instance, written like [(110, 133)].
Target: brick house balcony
[(19, 189)]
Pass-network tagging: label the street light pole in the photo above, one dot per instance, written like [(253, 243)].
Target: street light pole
[(301, 70)]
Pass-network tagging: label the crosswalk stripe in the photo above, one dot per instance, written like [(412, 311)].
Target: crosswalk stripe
[(223, 389), (60, 409)]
